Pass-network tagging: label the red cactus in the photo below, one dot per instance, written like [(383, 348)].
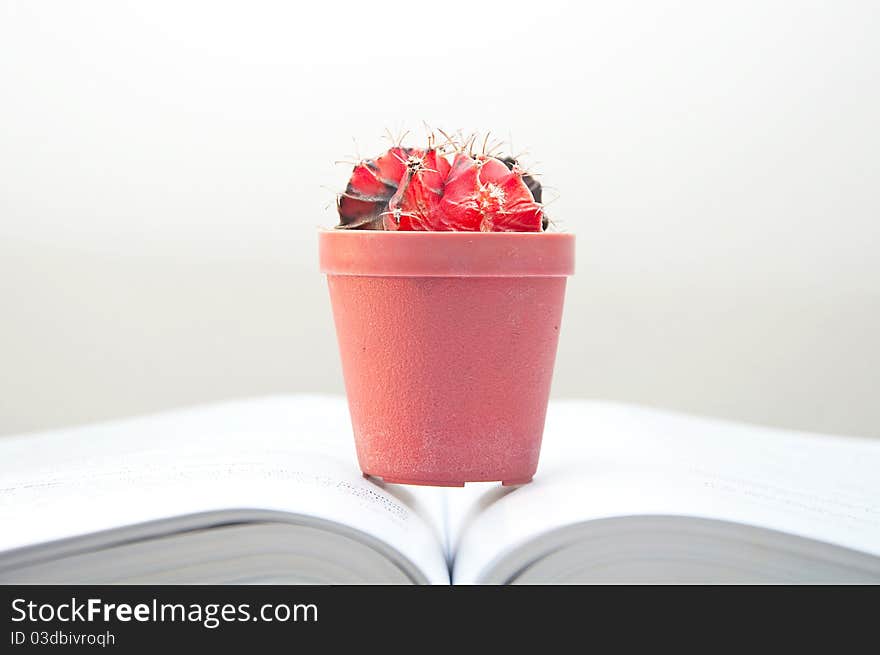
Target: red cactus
[(418, 189), (371, 186), (482, 194), (416, 204)]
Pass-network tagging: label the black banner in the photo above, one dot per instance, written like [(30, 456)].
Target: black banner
[(152, 618)]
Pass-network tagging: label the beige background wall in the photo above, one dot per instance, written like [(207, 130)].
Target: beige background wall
[(164, 166)]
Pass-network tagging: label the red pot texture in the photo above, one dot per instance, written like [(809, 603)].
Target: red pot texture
[(448, 341)]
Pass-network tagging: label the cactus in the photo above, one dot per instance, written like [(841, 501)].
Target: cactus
[(420, 189)]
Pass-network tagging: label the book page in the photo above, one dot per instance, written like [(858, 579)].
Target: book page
[(283, 454), (604, 460)]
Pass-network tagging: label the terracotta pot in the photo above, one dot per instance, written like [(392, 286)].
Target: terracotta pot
[(447, 341)]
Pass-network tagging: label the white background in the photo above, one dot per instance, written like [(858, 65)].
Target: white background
[(164, 167)]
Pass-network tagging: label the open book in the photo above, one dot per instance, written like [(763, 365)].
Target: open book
[(268, 490)]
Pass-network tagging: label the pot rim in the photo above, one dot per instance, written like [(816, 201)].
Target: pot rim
[(445, 254)]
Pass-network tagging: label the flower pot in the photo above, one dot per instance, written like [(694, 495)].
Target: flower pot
[(448, 341)]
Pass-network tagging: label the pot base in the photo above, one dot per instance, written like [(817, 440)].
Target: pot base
[(433, 483)]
